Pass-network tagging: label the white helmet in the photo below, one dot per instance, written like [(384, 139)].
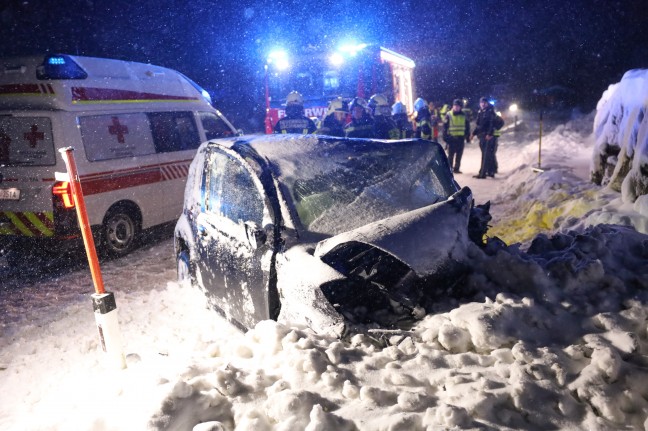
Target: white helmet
[(379, 104), (294, 98), (358, 101), (398, 108), (419, 104), (338, 105)]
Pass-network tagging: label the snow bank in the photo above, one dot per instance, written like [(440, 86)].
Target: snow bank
[(556, 341), (620, 157)]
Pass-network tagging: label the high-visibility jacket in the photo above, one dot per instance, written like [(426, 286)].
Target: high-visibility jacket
[(456, 123)]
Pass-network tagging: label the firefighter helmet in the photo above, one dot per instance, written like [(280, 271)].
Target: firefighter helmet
[(358, 101), (398, 108), (338, 105), (379, 105), (295, 98), (419, 104)]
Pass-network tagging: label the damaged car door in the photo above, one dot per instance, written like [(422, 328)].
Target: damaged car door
[(232, 245)]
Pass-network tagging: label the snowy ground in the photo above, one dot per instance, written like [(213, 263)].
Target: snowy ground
[(545, 335)]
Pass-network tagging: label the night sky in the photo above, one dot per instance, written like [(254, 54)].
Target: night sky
[(461, 48)]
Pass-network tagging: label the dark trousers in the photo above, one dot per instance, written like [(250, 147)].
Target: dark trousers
[(488, 163), (455, 151)]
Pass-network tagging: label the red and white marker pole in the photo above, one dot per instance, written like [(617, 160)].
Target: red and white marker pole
[(105, 308)]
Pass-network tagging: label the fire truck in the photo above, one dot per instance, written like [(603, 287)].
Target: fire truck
[(352, 71)]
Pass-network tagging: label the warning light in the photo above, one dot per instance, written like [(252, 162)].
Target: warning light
[(63, 189), (56, 60), (60, 67)]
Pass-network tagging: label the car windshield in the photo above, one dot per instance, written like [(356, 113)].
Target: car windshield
[(340, 185)]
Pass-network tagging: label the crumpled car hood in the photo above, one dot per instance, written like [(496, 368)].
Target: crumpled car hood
[(425, 239)]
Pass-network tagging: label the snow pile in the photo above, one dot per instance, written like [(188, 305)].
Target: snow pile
[(558, 340), (620, 157), (557, 197)]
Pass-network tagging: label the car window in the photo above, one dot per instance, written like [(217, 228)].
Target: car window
[(215, 127), (174, 131), (232, 190)]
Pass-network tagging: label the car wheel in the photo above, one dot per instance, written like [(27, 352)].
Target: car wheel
[(119, 232), (185, 276)]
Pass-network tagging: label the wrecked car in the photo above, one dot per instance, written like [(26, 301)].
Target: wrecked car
[(321, 231)]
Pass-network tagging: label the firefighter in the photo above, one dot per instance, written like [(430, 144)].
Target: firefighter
[(295, 121), (361, 124), (384, 125), (422, 115), (333, 123), (403, 123), (456, 132)]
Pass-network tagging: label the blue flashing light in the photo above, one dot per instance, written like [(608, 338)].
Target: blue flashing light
[(279, 59), (336, 59), (60, 66), (492, 101), (56, 60)]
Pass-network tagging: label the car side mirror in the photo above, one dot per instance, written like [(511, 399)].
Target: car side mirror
[(256, 235)]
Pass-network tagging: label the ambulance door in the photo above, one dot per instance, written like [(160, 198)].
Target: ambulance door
[(27, 161), (176, 138)]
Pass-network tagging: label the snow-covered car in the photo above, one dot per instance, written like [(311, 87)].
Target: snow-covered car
[(321, 231)]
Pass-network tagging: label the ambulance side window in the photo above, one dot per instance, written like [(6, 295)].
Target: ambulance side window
[(214, 126), (115, 136), (173, 131)]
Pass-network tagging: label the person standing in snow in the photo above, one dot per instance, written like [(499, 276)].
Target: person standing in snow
[(361, 124), (485, 131), (384, 125), (403, 123), (295, 121), (333, 123), (456, 131)]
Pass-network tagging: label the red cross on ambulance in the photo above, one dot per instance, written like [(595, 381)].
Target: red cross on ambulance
[(34, 136), (118, 129)]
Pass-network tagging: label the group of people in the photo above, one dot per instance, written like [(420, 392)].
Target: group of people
[(372, 119), (455, 123), (376, 119)]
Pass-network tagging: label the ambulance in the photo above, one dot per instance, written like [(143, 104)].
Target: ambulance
[(134, 129)]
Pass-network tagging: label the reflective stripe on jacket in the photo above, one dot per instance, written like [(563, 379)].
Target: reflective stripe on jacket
[(456, 124)]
